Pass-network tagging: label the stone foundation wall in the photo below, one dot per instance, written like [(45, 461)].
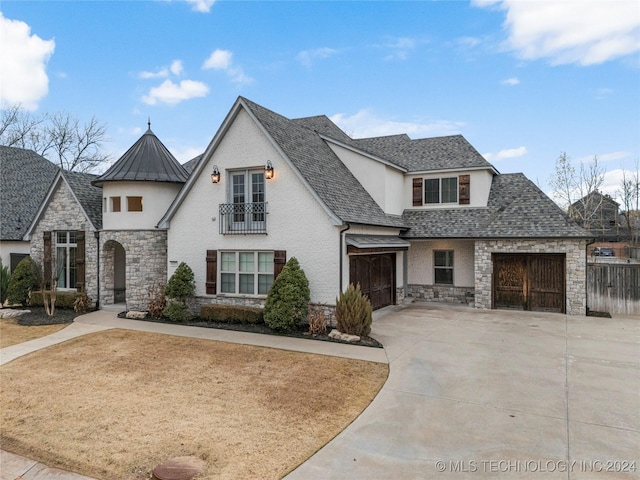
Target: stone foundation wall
[(145, 260), (575, 267), (441, 293)]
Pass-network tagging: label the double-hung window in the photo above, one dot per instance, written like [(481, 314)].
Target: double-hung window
[(441, 190), (246, 273), (248, 198), (443, 266), (66, 251)]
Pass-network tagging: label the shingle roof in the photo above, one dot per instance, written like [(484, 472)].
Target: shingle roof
[(148, 160), (437, 153), (315, 160), (191, 164), (324, 126), (89, 196), (25, 178), (517, 208)]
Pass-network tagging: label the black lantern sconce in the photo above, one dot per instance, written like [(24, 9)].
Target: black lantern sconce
[(215, 175), (268, 170)]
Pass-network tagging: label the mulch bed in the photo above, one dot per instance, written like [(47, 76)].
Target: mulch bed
[(302, 331), (38, 316)]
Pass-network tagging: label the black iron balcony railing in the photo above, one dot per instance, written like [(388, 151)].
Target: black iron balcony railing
[(243, 218)]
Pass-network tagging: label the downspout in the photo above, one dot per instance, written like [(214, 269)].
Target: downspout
[(97, 235), (340, 249), (586, 275)]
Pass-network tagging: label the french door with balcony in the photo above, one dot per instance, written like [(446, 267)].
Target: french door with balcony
[(248, 199)]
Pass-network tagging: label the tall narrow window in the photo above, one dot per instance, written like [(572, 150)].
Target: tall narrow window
[(134, 204), (246, 211), (66, 267), (432, 190), (115, 204), (443, 266), (450, 190)]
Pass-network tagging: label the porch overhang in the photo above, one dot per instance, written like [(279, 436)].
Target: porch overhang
[(377, 243)]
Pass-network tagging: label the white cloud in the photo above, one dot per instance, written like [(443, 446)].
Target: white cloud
[(306, 57), (171, 93), (223, 60), (511, 81), (506, 153), (203, 6), (468, 42), (176, 67), (184, 154), (400, 48), (565, 31), (366, 123), (23, 64)]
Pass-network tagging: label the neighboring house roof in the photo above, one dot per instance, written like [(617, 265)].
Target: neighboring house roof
[(191, 164), (88, 196), (25, 178), (148, 160), (517, 208), (425, 154)]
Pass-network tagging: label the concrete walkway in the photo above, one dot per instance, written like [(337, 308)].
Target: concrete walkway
[(470, 393)]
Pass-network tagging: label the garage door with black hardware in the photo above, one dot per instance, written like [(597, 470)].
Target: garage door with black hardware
[(529, 282), (376, 276)]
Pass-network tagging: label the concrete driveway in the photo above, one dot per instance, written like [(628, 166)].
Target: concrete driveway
[(495, 394)]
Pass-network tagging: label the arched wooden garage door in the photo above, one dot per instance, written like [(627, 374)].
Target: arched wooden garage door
[(376, 276), (529, 282)]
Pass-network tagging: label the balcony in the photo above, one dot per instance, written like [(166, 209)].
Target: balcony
[(243, 218)]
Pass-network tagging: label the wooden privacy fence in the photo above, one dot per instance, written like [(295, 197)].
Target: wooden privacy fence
[(613, 288)]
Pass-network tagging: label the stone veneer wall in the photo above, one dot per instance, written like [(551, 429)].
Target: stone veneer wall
[(64, 214), (441, 293), (145, 264), (575, 267)]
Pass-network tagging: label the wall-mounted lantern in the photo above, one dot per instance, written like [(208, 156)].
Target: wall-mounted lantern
[(215, 175), (268, 170)]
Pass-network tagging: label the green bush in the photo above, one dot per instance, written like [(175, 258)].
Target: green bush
[(64, 300), (25, 278), (353, 312), (4, 282), (177, 312), (181, 285), (287, 302), (232, 314)]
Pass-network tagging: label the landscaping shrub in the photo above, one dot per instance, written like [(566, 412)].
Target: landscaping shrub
[(317, 320), (181, 285), (157, 301), (232, 314), (82, 303), (25, 278), (287, 302), (353, 312), (4, 282), (64, 300), (177, 312)]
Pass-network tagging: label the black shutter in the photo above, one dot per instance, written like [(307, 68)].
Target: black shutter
[(212, 272)]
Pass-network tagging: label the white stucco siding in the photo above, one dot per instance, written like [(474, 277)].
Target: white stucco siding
[(9, 247), (421, 261), (384, 183), (296, 222), (479, 186), (156, 198)]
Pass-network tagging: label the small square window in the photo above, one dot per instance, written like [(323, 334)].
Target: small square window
[(134, 204)]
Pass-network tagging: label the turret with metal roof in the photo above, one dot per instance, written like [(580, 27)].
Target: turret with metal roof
[(148, 160)]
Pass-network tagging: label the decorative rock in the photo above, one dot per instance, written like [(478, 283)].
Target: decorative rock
[(135, 315), (179, 468), (9, 313), (343, 336)]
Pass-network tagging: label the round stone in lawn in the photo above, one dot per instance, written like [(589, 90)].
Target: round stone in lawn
[(179, 468)]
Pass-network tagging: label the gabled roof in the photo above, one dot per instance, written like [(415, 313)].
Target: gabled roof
[(426, 154), (148, 160), (25, 178), (517, 208), (88, 196)]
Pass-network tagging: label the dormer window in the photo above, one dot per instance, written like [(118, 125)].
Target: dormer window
[(441, 190)]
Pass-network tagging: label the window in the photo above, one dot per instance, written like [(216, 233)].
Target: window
[(246, 273), (441, 190), (134, 204), (104, 204), (115, 204), (247, 207), (66, 252), (443, 266)]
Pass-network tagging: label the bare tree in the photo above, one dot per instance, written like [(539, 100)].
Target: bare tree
[(61, 137), (578, 191), (629, 195)]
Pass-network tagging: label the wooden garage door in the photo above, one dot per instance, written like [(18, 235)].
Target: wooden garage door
[(376, 276), (529, 282)]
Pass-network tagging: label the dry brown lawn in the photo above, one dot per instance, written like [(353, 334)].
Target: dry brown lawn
[(11, 333), (115, 404)]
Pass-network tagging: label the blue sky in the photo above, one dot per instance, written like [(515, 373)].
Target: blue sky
[(523, 81)]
